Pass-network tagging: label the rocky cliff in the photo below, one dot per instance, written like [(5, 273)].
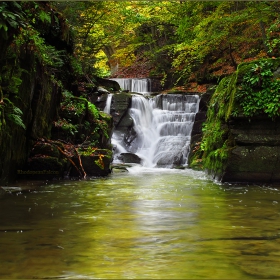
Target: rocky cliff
[(49, 126), (241, 135)]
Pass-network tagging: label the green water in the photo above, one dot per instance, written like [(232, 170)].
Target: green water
[(164, 225)]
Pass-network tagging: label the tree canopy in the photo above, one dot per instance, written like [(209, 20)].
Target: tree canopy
[(179, 41)]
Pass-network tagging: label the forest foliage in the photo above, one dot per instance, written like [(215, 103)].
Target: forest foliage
[(179, 42), (188, 40), (196, 41)]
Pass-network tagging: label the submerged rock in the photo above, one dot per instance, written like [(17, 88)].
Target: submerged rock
[(119, 168)]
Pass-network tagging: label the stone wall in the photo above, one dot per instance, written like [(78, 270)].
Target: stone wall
[(255, 156)]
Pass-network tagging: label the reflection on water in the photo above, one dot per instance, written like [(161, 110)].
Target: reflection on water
[(142, 224)]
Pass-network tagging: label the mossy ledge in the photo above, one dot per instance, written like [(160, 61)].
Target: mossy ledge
[(241, 140)]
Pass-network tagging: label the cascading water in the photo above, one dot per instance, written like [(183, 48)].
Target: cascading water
[(108, 103), (134, 85), (163, 127), (165, 140)]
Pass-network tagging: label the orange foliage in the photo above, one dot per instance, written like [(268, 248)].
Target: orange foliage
[(195, 87)]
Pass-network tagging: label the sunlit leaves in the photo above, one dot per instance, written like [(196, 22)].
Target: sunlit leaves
[(229, 29), (177, 35)]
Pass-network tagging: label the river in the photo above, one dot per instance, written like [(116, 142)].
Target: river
[(146, 223)]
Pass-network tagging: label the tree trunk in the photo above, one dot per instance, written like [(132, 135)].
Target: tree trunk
[(232, 58), (113, 63)]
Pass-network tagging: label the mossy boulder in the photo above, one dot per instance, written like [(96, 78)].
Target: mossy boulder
[(130, 158), (79, 121), (92, 162), (74, 109), (241, 140)]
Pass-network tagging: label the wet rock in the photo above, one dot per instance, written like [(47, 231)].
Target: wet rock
[(194, 160), (255, 156), (109, 84), (126, 121), (119, 168), (99, 97), (260, 267), (119, 106), (130, 158)]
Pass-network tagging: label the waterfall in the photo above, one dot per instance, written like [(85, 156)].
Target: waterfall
[(108, 103), (162, 129), (134, 85)]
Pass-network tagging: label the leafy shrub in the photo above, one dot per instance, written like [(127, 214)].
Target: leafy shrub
[(259, 92)]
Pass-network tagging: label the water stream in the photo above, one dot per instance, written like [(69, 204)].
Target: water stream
[(163, 125), (145, 224)]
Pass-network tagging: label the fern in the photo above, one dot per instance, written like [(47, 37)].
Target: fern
[(44, 17), (17, 111), (15, 118), (13, 113)]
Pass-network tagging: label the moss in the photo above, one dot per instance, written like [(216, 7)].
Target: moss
[(216, 145), (196, 163), (47, 162), (67, 128), (73, 108), (93, 151), (212, 154), (79, 116)]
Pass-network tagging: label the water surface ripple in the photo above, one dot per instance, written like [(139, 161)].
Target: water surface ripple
[(151, 224)]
